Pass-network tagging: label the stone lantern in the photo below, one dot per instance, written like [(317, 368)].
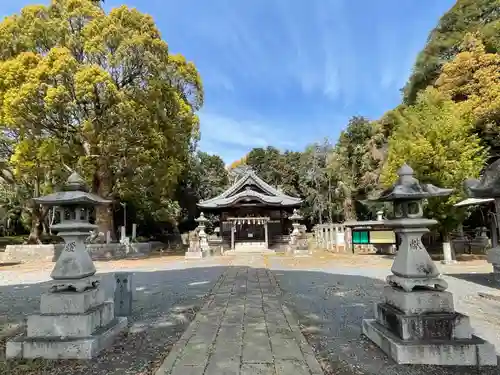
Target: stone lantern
[(488, 187), (76, 321), (296, 217), (416, 323), (298, 244), (202, 221), (198, 244)]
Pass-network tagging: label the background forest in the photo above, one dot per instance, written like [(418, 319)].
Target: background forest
[(99, 93)]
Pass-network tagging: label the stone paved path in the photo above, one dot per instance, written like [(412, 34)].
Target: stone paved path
[(243, 329)]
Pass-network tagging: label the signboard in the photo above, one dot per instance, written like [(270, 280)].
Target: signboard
[(360, 237), (382, 236), (365, 237)]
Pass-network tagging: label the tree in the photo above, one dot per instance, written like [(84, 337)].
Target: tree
[(106, 85), (436, 139), (204, 178), (267, 163), (352, 162), (473, 78), (444, 41)]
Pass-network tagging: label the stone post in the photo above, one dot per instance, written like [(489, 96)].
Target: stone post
[(108, 237), (66, 327), (266, 234), (134, 231), (232, 234), (416, 323), (123, 233)]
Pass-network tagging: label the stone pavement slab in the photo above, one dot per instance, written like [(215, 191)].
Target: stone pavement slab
[(243, 329)]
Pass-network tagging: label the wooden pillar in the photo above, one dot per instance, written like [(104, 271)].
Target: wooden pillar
[(266, 236)]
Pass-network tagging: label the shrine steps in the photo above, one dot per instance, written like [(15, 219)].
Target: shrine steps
[(249, 251)]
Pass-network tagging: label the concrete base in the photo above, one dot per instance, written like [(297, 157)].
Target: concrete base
[(249, 251), (302, 253), (448, 262), (419, 301), (467, 352), (434, 326), (195, 255), (66, 348)]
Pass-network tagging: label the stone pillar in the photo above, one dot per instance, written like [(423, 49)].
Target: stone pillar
[(108, 237), (331, 241), (123, 233), (266, 234), (233, 227), (134, 231)]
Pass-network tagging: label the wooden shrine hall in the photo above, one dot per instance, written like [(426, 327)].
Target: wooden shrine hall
[(252, 214)]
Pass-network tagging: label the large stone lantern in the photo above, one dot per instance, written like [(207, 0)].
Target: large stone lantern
[(75, 320), (416, 323)]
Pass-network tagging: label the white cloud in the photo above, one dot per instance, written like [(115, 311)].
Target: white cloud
[(245, 133)]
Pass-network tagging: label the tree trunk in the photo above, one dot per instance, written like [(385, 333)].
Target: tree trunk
[(37, 218), (104, 213), (35, 232), (349, 213)]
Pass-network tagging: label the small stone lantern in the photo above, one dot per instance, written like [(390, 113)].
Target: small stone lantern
[(296, 217), (202, 221), (417, 323), (75, 321), (198, 247), (298, 244)]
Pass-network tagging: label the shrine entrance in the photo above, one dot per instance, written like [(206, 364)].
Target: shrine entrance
[(252, 214), (249, 231)]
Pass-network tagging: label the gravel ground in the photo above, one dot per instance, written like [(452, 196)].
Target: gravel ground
[(329, 294), (164, 304), (331, 302)]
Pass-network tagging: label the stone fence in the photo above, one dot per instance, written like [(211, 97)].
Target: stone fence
[(35, 253), (330, 237)]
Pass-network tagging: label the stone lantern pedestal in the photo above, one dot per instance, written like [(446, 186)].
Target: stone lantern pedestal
[(416, 322), (75, 320)]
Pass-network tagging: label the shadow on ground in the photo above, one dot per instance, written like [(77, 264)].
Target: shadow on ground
[(484, 279), (329, 307)]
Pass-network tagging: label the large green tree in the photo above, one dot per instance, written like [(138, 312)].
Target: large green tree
[(106, 85), (436, 139)]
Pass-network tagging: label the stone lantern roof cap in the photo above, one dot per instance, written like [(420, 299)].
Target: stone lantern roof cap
[(295, 215), (489, 184), (202, 219), (74, 192), (408, 187)]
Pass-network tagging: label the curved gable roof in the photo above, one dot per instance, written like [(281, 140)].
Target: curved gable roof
[(235, 193)]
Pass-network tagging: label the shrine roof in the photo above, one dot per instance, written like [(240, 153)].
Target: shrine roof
[(251, 187)]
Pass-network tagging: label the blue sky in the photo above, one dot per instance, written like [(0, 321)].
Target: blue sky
[(289, 72)]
